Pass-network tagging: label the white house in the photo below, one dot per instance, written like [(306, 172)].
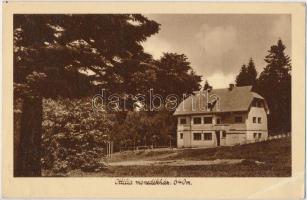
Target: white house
[(221, 117)]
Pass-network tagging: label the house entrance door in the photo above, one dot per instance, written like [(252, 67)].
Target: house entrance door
[(218, 138)]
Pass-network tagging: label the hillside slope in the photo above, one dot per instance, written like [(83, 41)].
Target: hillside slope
[(271, 159)]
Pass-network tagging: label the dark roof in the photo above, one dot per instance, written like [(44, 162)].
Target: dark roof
[(234, 100)]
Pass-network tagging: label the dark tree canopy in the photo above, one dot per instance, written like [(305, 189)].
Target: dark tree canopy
[(57, 51), (141, 128), (247, 75), (274, 84), (176, 76), (70, 56)]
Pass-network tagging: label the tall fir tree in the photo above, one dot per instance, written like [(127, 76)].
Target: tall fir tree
[(251, 72), (50, 53), (176, 76), (241, 78), (274, 84), (247, 75)]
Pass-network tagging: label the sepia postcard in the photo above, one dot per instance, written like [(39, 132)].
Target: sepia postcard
[(153, 100)]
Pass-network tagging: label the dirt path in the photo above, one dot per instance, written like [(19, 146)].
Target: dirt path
[(175, 162)]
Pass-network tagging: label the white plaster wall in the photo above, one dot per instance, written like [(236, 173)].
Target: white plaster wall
[(257, 112), (250, 135), (234, 139)]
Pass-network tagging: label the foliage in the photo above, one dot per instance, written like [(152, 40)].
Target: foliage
[(171, 74), (145, 128), (69, 56), (247, 75), (176, 76), (74, 135), (274, 84), (60, 48)]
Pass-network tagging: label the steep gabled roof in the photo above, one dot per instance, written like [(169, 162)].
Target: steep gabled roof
[(234, 100)]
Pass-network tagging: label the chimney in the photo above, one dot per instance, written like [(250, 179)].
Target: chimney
[(231, 86)]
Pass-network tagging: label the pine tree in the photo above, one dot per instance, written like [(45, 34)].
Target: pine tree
[(251, 72), (274, 84), (241, 79), (50, 54), (176, 76), (247, 75)]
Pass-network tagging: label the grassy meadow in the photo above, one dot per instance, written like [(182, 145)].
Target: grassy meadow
[(263, 159)]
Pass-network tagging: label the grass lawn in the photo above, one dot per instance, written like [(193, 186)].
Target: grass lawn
[(274, 158)]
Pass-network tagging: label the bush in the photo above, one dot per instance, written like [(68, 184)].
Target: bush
[(74, 135)]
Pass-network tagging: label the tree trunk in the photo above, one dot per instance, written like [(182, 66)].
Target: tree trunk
[(28, 155)]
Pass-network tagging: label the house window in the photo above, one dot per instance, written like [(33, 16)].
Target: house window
[(197, 136), (181, 135), (255, 135), (259, 135), (207, 136), (254, 119), (197, 120), (238, 119), (183, 121), (259, 120), (224, 134), (218, 121), (207, 120)]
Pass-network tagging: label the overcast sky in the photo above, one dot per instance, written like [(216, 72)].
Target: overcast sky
[(218, 44)]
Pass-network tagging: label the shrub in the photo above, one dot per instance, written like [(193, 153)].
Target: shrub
[(74, 135)]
